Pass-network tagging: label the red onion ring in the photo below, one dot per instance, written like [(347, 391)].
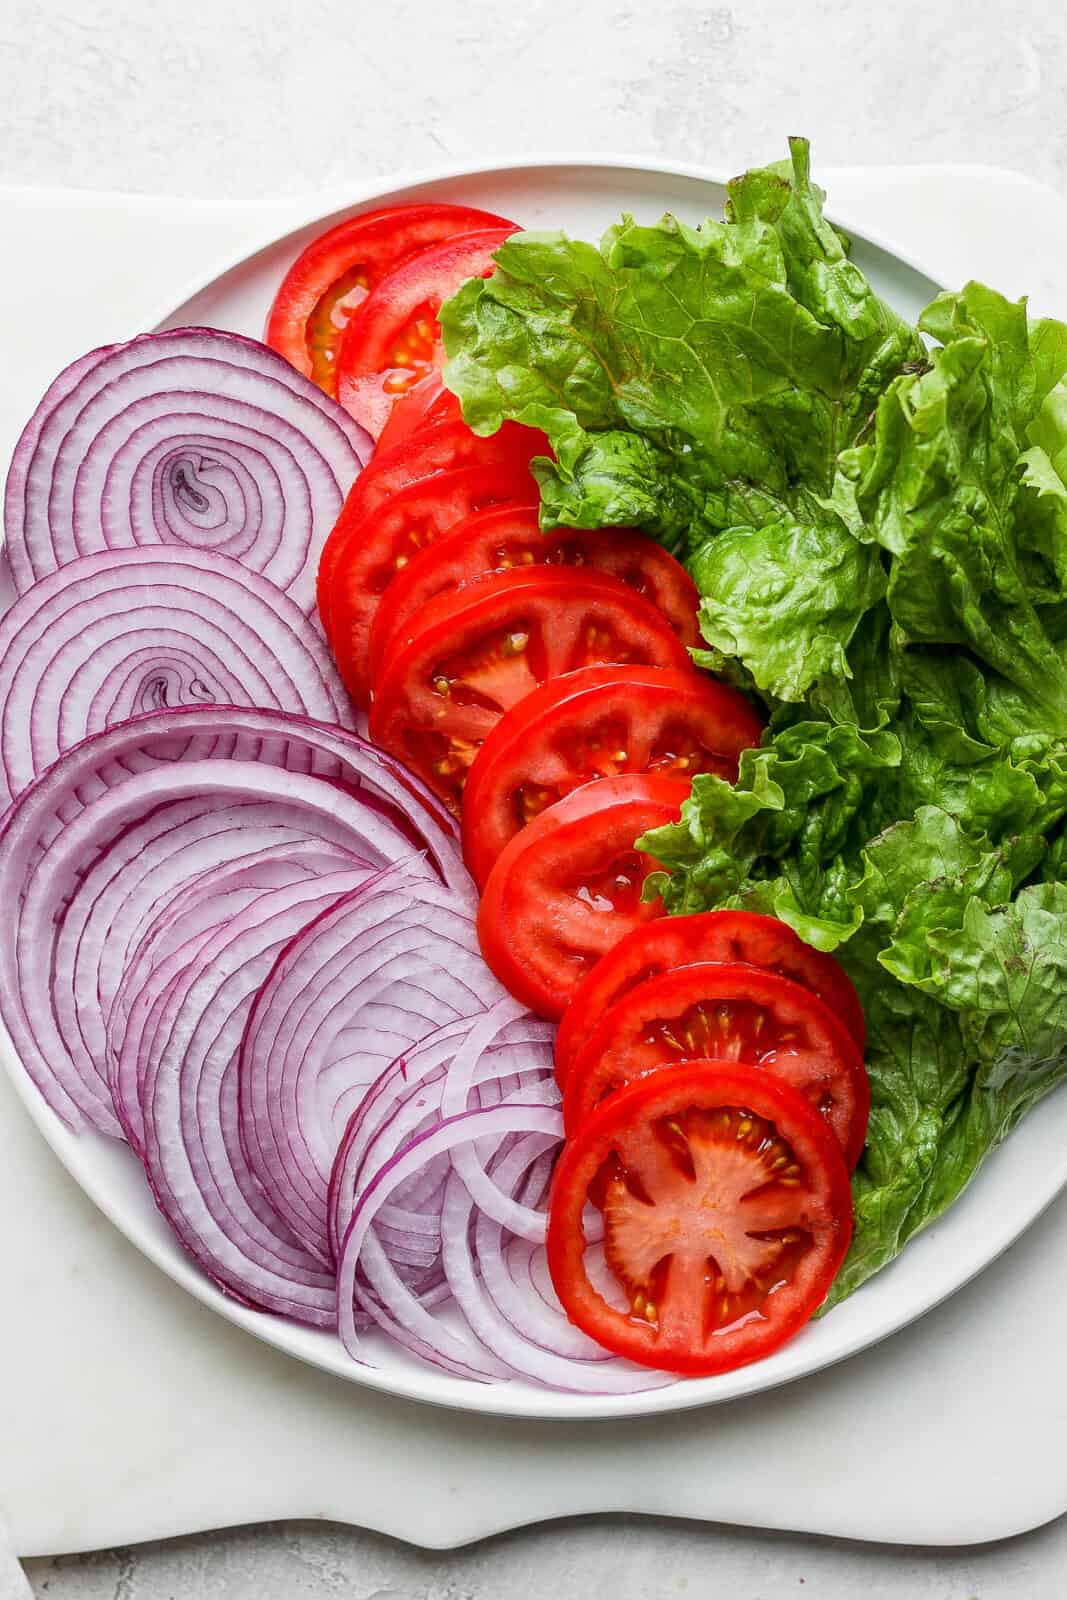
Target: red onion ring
[(191, 437), (361, 1249), (531, 1336), (119, 633), (180, 924), (192, 1149), (369, 979), (127, 891), (407, 1098), (81, 808)]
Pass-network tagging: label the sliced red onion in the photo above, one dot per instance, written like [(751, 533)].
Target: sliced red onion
[(368, 980), (178, 848), (192, 437), (532, 1338), (478, 1101), (360, 1248), (119, 633), (521, 1219), (87, 803), (406, 1099), (192, 1148), (181, 925)]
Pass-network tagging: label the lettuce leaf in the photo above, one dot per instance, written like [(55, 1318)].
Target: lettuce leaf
[(876, 518), (700, 383)]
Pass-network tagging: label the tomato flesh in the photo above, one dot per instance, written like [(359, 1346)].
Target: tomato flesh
[(706, 936), (424, 403), (389, 539), (597, 723), (426, 458), (333, 276), (394, 339), (469, 656), (506, 538), (568, 887), (733, 1012), (727, 1212)]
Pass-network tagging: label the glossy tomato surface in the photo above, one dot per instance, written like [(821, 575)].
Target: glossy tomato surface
[(569, 887), (394, 338), (726, 1214), (733, 1012), (706, 936), (597, 723), (469, 656), (334, 274), (425, 402), (503, 539), (390, 537), (444, 446)]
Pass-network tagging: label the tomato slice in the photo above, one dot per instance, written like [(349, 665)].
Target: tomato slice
[(331, 278), (468, 656), (395, 339), (568, 887), (732, 1012), (496, 541), (594, 724), (431, 451), (727, 1213), (706, 936), (427, 401)]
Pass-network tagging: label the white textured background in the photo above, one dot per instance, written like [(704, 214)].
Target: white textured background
[(261, 97)]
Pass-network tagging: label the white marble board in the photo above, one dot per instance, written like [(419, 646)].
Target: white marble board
[(129, 1412)]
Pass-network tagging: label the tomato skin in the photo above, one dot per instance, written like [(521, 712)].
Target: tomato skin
[(674, 1335), (705, 936), (539, 745), (423, 511), (375, 366), (646, 1031), (426, 402), (537, 930), (374, 241), (466, 657), (505, 538), (438, 449)]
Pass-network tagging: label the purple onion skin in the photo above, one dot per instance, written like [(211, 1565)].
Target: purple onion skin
[(194, 437)]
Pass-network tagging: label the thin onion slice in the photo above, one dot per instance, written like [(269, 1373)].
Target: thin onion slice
[(123, 632), (192, 1148), (182, 923), (124, 896), (192, 437), (531, 1337), (353, 991), (360, 1247), (407, 1099), (82, 808)]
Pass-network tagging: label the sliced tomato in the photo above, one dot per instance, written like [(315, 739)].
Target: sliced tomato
[(568, 887), (733, 1012), (332, 277), (497, 541), (430, 452), (394, 339), (426, 402), (469, 656), (727, 1213), (594, 724), (707, 936)]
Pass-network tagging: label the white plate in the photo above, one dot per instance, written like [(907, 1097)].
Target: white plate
[(1009, 1194)]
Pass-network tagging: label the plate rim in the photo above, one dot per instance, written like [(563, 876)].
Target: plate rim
[(391, 185), (431, 1386)]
